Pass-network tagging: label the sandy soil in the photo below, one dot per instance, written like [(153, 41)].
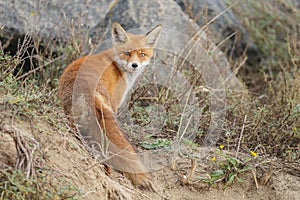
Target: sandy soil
[(66, 161)]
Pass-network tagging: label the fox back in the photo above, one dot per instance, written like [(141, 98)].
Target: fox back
[(93, 87)]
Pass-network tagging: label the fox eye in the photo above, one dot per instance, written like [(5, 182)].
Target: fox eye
[(127, 53), (142, 55)]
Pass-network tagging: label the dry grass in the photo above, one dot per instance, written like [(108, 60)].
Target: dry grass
[(267, 122), (44, 159)]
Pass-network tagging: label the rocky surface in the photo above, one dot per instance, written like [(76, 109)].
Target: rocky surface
[(225, 27), (50, 21), (60, 20), (50, 18)]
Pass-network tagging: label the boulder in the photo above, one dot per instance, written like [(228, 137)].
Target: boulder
[(179, 31), (226, 27), (50, 22), (62, 20), (49, 19)]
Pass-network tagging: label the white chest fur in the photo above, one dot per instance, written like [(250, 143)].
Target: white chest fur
[(130, 78)]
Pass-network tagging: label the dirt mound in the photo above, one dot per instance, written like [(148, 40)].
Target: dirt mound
[(64, 160), (59, 155)]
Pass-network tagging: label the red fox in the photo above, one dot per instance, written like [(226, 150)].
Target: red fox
[(98, 84)]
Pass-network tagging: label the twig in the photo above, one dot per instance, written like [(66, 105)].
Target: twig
[(194, 40), (241, 135), (38, 68), (191, 173), (255, 179)]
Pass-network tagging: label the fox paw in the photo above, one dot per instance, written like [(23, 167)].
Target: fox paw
[(141, 181)]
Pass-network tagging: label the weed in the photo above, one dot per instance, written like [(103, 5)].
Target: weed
[(270, 28), (271, 128), (30, 95), (15, 184), (228, 169), (156, 144)]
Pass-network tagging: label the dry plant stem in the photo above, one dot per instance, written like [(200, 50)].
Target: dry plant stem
[(203, 28), (191, 173), (181, 119), (254, 177), (266, 177), (173, 164), (217, 47), (24, 159), (141, 96), (235, 71), (87, 193), (241, 136), (38, 68), (144, 195), (92, 166)]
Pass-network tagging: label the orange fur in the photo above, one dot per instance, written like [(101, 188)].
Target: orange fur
[(98, 84)]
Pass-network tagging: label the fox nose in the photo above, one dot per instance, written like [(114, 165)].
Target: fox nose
[(134, 65)]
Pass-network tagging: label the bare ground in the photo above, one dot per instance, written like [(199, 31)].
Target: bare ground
[(63, 157)]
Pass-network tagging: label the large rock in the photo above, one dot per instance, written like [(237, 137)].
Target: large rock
[(62, 20), (49, 19), (133, 14), (226, 27)]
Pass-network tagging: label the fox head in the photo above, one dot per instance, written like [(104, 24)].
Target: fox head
[(133, 52)]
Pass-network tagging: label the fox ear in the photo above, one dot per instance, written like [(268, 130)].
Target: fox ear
[(152, 36), (119, 35)]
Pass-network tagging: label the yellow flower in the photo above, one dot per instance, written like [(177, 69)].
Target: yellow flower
[(213, 159), (254, 154), (221, 146)]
